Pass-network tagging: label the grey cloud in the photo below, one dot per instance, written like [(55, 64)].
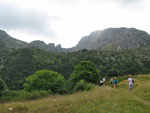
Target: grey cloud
[(33, 22), (130, 2), (125, 3)]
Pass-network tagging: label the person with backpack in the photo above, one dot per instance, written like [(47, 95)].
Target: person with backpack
[(115, 82), (104, 81), (130, 82), (111, 82), (101, 82)]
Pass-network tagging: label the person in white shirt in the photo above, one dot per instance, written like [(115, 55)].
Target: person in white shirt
[(104, 81), (130, 82)]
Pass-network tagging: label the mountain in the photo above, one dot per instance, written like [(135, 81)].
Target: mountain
[(47, 47), (21, 62), (107, 39), (8, 42), (114, 39)]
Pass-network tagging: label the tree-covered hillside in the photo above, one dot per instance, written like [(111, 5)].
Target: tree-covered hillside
[(16, 65)]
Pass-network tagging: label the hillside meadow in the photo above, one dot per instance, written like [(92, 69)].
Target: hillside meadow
[(98, 100)]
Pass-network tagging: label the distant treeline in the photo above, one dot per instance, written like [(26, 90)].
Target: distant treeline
[(16, 65)]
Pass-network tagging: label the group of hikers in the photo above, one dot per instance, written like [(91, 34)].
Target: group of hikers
[(114, 82)]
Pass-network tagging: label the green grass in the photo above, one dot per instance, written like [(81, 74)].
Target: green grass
[(98, 100)]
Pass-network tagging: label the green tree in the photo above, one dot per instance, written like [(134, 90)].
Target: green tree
[(3, 87), (85, 70), (112, 72), (45, 80)]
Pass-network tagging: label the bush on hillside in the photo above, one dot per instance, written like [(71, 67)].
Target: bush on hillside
[(85, 70), (83, 86), (3, 87), (45, 80)]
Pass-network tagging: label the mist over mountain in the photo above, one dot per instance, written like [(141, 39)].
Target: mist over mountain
[(114, 39)]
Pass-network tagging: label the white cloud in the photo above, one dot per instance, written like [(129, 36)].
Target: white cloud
[(33, 21), (69, 20)]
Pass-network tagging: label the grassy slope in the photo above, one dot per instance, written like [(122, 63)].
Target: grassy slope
[(98, 100)]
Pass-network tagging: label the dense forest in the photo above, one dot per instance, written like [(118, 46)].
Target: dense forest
[(16, 65)]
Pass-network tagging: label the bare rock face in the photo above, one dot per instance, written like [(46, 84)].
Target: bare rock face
[(47, 47), (114, 39)]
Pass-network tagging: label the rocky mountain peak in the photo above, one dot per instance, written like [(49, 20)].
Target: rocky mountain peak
[(114, 38), (107, 39)]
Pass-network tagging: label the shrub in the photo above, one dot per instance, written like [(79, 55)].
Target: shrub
[(82, 85), (85, 70), (89, 86), (3, 87), (45, 80)]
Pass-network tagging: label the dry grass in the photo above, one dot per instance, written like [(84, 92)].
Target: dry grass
[(98, 100)]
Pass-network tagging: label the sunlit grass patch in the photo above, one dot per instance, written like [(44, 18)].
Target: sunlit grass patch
[(98, 100)]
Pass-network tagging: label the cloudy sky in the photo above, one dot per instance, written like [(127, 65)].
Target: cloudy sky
[(65, 22)]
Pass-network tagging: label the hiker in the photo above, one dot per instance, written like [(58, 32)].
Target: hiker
[(130, 82), (104, 81), (115, 82), (111, 81), (101, 82)]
